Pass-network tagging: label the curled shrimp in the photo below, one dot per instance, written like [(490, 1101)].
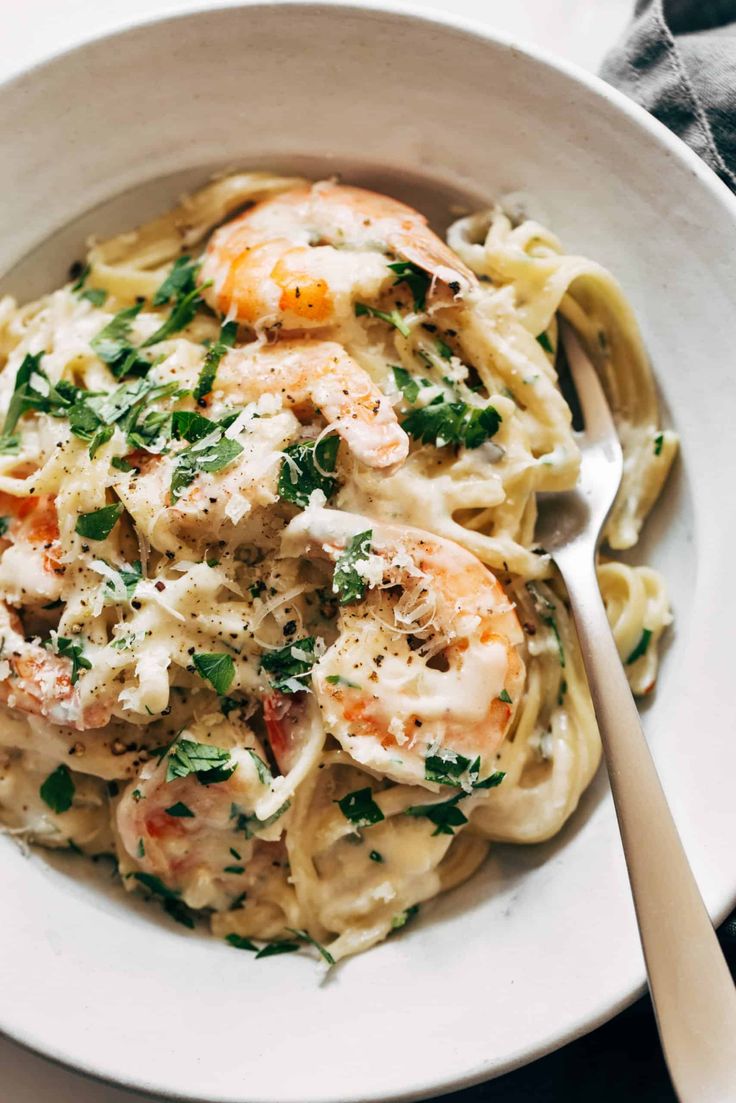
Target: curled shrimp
[(427, 665), (196, 832), (30, 564), (40, 683), (302, 258), (310, 375)]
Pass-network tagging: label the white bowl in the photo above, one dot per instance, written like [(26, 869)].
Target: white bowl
[(541, 945)]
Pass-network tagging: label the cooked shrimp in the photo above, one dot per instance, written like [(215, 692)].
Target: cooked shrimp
[(304, 257), (195, 832), (319, 375), (38, 682), (427, 665), (30, 565)]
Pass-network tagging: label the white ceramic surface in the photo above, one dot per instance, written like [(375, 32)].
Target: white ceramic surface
[(542, 944)]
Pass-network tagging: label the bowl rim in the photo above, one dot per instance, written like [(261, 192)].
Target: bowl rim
[(409, 13)]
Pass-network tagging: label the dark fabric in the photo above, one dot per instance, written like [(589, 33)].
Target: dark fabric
[(678, 59)]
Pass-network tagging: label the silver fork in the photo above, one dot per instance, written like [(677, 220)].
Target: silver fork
[(693, 995)]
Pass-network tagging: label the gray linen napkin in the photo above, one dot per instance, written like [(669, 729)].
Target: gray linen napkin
[(677, 58)]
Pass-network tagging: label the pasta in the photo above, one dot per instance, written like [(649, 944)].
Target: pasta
[(275, 629)]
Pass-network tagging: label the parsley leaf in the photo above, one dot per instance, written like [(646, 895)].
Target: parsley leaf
[(112, 346), (180, 281), (311, 462), (489, 782), (504, 696), (70, 650), (443, 349), (375, 856), (393, 318), (273, 948), (209, 764), (57, 790), (250, 824), (546, 612), (25, 395), (443, 423), (338, 680), (346, 582), (545, 342), (217, 668), (95, 295), (360, 808), (83, 271), (4, 525), (289, 664), (403, 918), (445, 771), (172, 905), (658, 442), (98, 524), (304, 936), (406, 383), (215, 353), (264, 773), (202, 457), (415, 278), (445, 816), (240, 942), (184, 310), (641, 647), (180, 811)]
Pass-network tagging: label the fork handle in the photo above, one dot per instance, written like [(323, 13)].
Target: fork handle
[(692, 991)]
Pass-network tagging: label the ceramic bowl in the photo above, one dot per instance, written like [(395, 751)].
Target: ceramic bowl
[(541, 945)]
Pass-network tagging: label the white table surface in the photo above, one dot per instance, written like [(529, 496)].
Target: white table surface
[(578, 30)]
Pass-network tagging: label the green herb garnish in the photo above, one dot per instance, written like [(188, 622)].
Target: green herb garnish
[(98, 524), (416, 279), (273, 948), (209, 764), (441, 423), (58, 789), (214, 355), (658, 442), (393, 318), (304, 936), (241, 943), (309, 467), (406, 383), (445, 816), (347, 583), (70, 650), (545, 342), (641, 647), (289, 664), (217, 668), (360, 808), (180, 811)]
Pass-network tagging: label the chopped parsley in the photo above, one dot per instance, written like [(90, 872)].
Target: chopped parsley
[(443, 349), (95, 295), (347, 583), (375, 856), (57, 790), (129, 578), (641, 647), (416, 279), (209, 764), (403, 918), (546, 611), (33, 391), (241, 943), (217, 668), (185, 307), (658, 442), (393, 318), (445, 816), (70, 650), (98, 524), (250, 825), (504, 696), (304, 936), (407, 384), (338, 680), (113, 347), (441, 423), (273, 948), (289, 664), (180, 811), (234, 870), (206, 453), (306, 468), (172, 905), (81, 271), (445, 771), (4, 525), (545, 342), (262, 769), (180, 281), (360, 808), (214, 355)]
